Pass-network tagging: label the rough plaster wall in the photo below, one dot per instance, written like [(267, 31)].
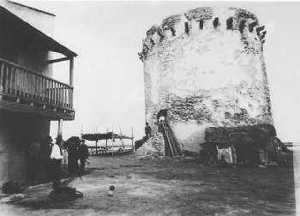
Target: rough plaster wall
[(16, 132), (208, 77), (23, 50), (42, 21), (153, 146), (35, 60), (25, 53)]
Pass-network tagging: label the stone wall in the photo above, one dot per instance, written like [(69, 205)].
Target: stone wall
[(206, 67)]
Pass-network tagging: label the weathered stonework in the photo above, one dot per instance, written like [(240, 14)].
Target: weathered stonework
[(153, 146), (206, 67)]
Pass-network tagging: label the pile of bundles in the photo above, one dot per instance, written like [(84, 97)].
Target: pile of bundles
[(13, 187), (13, 191), (65, 193), (247, 145)]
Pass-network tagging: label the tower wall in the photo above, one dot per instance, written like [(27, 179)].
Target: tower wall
[(206, 67)]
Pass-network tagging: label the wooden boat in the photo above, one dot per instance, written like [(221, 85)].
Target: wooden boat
[(108, 144)]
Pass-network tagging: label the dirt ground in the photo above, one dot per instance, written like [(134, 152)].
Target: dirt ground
[(166, 187)]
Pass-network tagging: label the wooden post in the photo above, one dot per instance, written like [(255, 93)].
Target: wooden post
[(59, 127), (106, 141), (112, 140), (133, 147), (59, 139), (96, 147), (71, 72), (81, 130)]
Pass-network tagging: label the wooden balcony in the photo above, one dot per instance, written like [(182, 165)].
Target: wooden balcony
[(26, 91)]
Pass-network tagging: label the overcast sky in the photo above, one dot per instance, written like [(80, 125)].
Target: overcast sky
[(107, 36)]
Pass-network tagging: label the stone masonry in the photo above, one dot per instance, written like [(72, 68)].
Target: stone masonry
[(206, 67)]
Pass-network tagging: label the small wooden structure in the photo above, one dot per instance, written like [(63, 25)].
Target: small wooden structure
[(108, 143)]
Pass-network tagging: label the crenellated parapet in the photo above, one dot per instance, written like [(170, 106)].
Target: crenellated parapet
[(206, 68), (199, 20)]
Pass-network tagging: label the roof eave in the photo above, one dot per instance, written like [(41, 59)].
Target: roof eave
[(52, 44)]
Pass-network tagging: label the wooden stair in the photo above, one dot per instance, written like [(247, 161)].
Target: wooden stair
[(172, 146)]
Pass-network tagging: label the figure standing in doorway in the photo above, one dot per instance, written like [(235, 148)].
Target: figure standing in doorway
[(148, 130)]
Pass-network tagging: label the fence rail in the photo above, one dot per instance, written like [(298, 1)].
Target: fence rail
[(20, 82)]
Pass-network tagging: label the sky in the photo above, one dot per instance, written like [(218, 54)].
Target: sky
[(108, 76)]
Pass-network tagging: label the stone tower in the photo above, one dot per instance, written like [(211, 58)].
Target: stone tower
[(206, 68)]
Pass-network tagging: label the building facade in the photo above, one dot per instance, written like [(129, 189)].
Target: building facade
[(29, 97), (206, 68)]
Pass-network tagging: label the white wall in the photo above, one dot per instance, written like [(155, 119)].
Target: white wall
[(206, 78), (42, 21)]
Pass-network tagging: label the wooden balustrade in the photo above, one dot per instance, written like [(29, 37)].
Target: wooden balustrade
[(20, 82)]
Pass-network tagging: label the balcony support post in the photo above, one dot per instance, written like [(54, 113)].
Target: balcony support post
[(59, 128), (71, 71)]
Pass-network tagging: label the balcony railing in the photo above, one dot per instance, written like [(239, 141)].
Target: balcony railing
[(24, 84)]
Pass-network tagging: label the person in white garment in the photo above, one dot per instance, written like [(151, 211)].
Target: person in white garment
[(55, 164)]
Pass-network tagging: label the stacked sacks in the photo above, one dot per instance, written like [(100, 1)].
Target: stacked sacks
[(252, 144)]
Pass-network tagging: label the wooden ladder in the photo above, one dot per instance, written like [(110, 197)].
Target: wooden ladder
[(171, 141)]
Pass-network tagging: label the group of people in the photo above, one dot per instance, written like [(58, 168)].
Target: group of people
[(77, 155), (161, 118), (51, 154)]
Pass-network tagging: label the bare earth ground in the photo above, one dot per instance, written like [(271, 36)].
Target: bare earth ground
[(167, 187)]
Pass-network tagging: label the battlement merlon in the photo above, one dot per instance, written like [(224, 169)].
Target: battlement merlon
[(201, 19)]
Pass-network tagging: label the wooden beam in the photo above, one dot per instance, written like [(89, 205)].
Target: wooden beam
[(57, 60), (71, 71), (97, 147), (133, 146), (25, 108)]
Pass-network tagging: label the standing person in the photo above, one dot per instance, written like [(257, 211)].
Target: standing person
[(148, 130), (55, 164), (62, 145), (83, 153), (72, 145), (47, 147)]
